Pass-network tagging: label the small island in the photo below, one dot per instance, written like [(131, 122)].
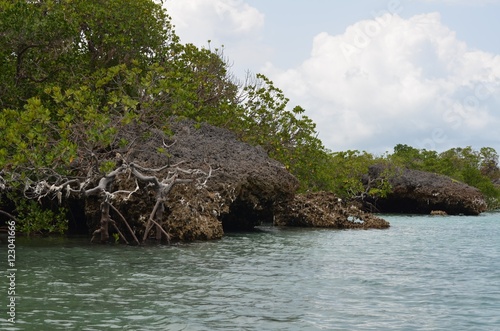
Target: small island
[(113, 128)]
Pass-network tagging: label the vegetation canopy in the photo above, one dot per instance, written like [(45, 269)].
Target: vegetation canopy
[(78, 78)]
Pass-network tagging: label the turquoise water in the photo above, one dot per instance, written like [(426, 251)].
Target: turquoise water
[(424, 273)]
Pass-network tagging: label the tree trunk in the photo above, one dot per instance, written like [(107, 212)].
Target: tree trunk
[(105, 218)]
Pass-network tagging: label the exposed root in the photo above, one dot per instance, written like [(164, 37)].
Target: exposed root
[(149, 177)]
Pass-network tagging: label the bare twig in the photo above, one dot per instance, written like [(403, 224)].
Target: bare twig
[(168, 146), (57, 186), (150, 220), (126, 192), (105, 181), (12, 217), (162, 230), (126, 223), (136, 166), (105, 219)]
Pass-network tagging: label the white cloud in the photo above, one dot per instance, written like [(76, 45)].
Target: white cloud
[(383, 81), (392, 80), (230, 23), (197, 20)]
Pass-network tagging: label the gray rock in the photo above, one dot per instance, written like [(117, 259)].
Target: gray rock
[(244, 187), (420, 192)]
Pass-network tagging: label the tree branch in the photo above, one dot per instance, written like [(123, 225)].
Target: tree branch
[(126, 223), (105, 181), (62, 186), (12, 217)]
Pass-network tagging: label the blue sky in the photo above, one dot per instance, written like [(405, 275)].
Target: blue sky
[(371, 74)]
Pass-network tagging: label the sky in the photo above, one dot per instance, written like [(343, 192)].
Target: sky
[(371, 74)]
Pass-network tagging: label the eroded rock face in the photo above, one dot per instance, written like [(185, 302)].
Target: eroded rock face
[(325, 210), (242, 191), (421, 192)]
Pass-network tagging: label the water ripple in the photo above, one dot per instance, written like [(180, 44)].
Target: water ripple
[(421, 274)]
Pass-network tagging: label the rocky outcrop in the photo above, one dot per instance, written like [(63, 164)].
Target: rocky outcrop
[(191, 182), (422, 192), (438, 213), (239, 190), (326, 210)]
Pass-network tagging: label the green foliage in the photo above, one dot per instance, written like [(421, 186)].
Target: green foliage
[(35, 220), (349, 178), (76, 76), (349, 167), (262, 117), (31, 139), (31, 48), (118, 63), (413, 158), (107, 166), (478, 168)]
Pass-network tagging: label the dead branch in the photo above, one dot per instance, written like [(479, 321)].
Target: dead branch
[(95, 234), (168, 146), (8, 215), (150, 219), (66, 187), (163, 231), (3, 182), (105, 181), (126, 223), (105, 219), (207, 176), (159, 217), (143, 178), (113, 195), (136, 166)]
